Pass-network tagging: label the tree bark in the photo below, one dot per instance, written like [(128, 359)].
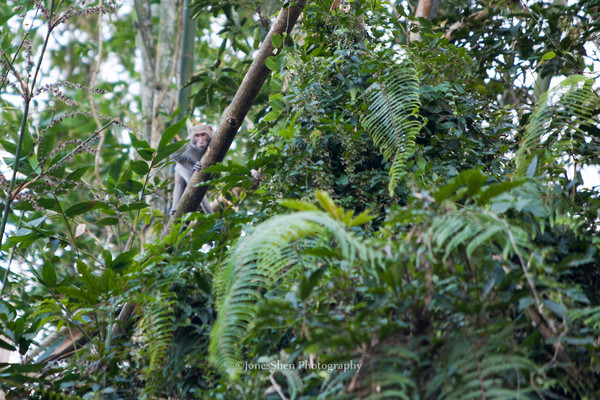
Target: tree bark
[(234, 115), (478, 17), (425, 9), (167, 48), (186, 59), (146, 44)]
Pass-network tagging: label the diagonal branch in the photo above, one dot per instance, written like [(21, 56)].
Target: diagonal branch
[(234, 115)]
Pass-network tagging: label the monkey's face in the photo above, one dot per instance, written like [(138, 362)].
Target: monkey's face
[(201, 136)]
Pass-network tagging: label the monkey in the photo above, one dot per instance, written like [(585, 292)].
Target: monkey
[(188, 161)]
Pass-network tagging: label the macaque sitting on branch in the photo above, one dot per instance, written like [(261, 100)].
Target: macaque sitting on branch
[(188, 161)]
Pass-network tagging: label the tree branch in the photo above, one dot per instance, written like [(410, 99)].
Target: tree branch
[(478, 17), (234, 115), (425, 9)]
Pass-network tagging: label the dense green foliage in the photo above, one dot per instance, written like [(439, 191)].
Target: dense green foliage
[(415, 209)]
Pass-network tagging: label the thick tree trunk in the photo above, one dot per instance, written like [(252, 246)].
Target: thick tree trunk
[(160, 64), (186, 60), (167, 46), (146, 44)]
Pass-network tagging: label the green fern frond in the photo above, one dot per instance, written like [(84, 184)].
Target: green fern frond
[(391, 373), (158, 327), (484, 368), (268, 254), (556, 121), (393, 119), (472, 228), (485, 377), (589, 316)]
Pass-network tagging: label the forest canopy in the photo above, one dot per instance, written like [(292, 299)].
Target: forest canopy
[(405, 195)]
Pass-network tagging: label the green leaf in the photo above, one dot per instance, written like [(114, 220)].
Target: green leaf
[(272, 63), (49, 204), (264, 257), (502, 204), (497, 189), (298, 205), (146, 154), (362, 218), (472, 178), (276, 40), (556, 308), (286, 132), (170, 133), (272, 116), (107, 221), (132, 207), (6, 345), (107, 258), (49, 275), (548, 56), (142, 147), (80, 208), (123, 260), (27, 143), (78, 173), (425, 23), (17, 369), (555, 128), (276, 84), (307, 285), (532, 167), (481, 237), (393, 119), (168, 150), (328, 204), (131, 186), (140, 167), (36, 223), (138, 143), (276, 102), (47, 144), (8, 146)]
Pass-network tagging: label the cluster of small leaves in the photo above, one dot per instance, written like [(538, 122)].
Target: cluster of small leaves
[(318, 117), (445, 315), (53, 88), (80, 9), (544, 38), (75, 229)]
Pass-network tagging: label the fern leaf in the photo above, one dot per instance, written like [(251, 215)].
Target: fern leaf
[(393, 117), (556, 120), (589, 315), (473, 369), (471, 228), (260, 259), (158, 327)]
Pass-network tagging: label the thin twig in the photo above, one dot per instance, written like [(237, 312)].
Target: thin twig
[(93, 80)]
